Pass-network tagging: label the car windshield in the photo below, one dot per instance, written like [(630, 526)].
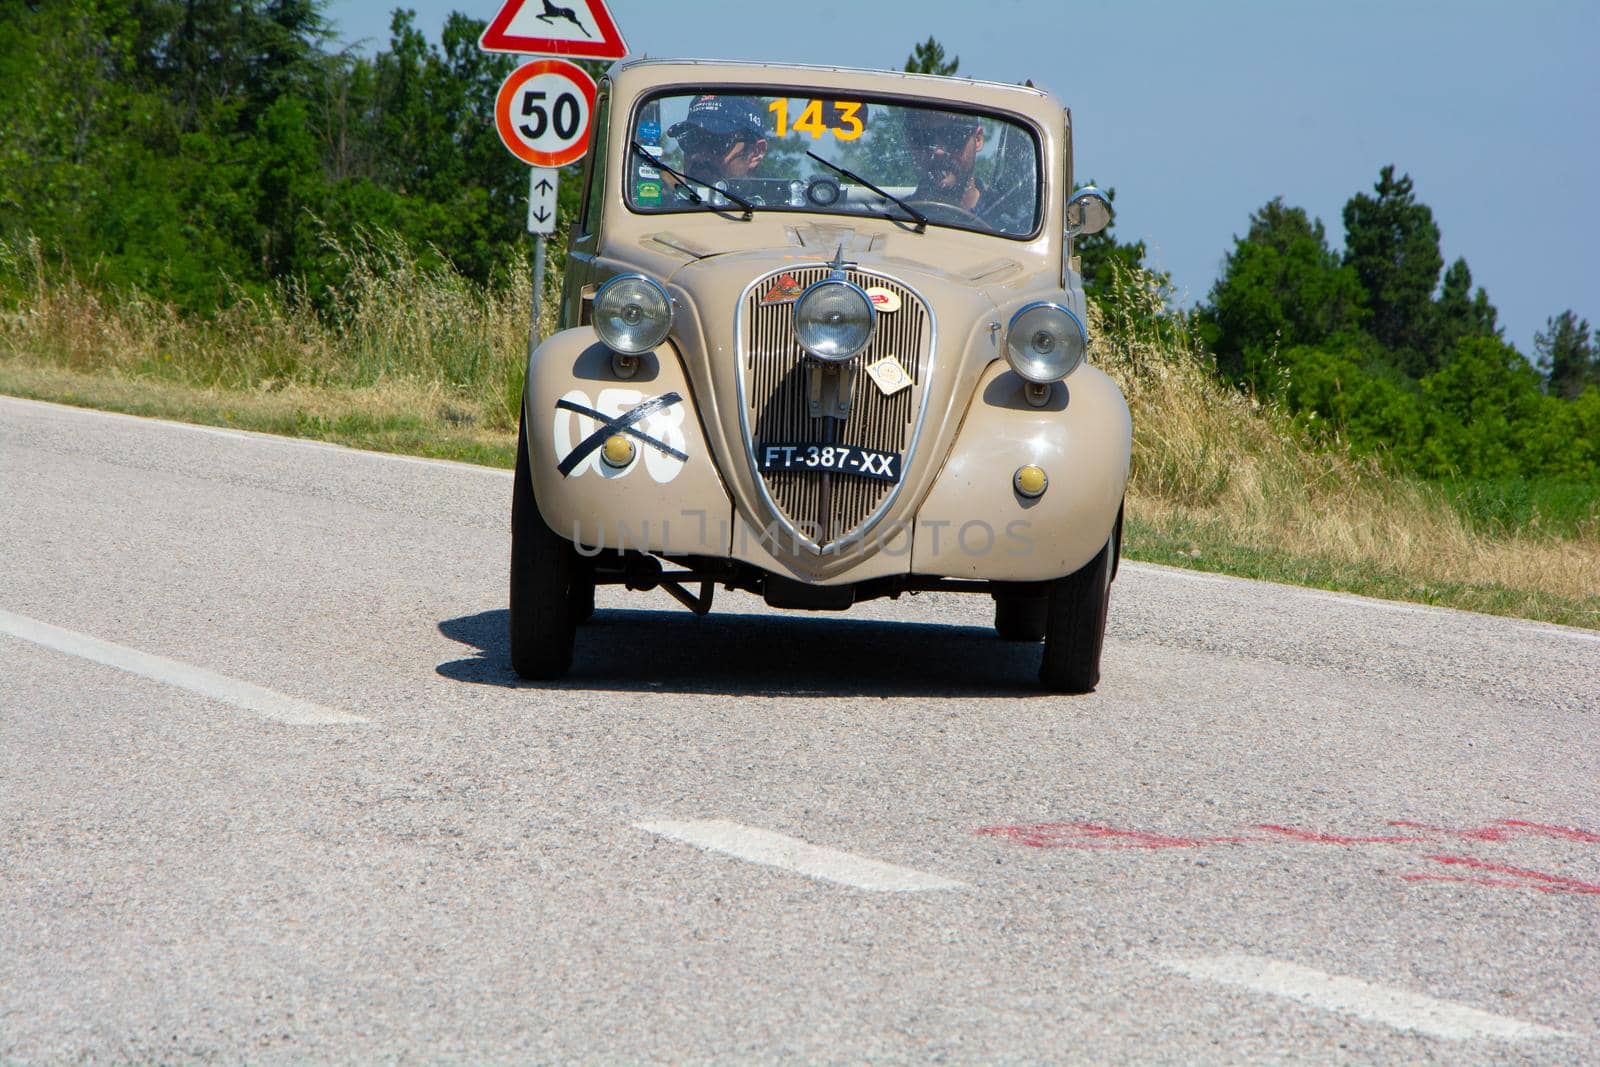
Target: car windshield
[(733, 151)]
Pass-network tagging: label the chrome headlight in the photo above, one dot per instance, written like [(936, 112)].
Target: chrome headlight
[(1045, 342), (632, 314), (833, 320)]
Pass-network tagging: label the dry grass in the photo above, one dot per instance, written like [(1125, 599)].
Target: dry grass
[(1209, 457), (414, 418), (413, 358), (399, 332)]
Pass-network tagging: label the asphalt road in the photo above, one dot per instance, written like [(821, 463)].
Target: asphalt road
[(269, 792)]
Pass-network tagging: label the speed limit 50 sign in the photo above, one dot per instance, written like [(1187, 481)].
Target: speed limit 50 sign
[(543, 112)]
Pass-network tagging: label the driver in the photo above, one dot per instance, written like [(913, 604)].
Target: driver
[(721, 138), (944, 146)]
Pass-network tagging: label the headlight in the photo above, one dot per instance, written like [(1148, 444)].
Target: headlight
[(1045, 343), (632, 314), (833, 320)]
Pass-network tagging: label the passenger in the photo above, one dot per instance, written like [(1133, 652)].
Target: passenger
[(722, 138)]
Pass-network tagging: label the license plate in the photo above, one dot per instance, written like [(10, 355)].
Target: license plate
[(841, 459)]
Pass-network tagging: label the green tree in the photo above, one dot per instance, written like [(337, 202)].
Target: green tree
[(1459, 313), (1568, 356), (1392, 243), (928, 58), (1281, 287), (216, 58), (1485, 408), (438, 144), (1336, 395), (287, 183)]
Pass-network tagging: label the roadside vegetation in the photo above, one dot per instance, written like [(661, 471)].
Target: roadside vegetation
[(1225, 481), (1221, 481), (326, 245), (404, 354)]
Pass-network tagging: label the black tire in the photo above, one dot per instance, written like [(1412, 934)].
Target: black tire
[(1075, 625), (545, 581), (583, 597), (1021, 618)]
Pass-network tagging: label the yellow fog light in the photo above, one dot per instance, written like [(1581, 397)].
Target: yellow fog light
[(1030, 481), (617, 451)]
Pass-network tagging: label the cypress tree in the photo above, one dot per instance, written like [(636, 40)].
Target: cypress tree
[(1567, 355), (1392, 243)]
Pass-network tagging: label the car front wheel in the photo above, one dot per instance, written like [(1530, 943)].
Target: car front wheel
[(1075, 624), (546, 583)]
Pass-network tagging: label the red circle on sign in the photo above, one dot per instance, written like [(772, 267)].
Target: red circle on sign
[(539, 125)]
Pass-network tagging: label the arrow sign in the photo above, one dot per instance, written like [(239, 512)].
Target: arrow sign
[(541, 200), (581, 28)]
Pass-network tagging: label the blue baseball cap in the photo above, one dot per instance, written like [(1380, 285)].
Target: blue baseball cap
[(721, 114)]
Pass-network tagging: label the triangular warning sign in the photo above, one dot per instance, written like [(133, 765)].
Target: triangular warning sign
[(582, 28)]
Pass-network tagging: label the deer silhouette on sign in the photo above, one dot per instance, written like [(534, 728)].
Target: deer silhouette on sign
[(552, 12)]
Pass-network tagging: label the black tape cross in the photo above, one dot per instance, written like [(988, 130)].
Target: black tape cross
[(621, 424)]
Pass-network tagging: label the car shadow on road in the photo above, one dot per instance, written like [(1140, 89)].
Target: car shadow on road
[(674, 651)]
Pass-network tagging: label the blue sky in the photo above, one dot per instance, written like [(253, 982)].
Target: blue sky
[(1200, 113)]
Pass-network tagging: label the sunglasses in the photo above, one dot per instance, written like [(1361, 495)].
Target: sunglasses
[(696, 141), (947, 136)]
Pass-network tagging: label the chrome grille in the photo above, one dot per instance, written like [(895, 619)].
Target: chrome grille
[(832, 504)]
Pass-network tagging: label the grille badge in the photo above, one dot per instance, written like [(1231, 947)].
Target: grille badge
[(889, 376), (783, 291)]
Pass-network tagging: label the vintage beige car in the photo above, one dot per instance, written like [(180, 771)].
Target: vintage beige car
[(823, 341)]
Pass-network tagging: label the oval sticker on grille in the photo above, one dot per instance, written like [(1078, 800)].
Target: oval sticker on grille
[(885, 300)]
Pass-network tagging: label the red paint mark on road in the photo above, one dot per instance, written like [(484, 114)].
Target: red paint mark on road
[(1481, 833), (1095, 836), (1554, 831), (1521, 877), (1098, 836), (1505, 830), (1332, 839)]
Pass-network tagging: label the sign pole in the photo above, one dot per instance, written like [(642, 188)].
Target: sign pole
[(541, 221), (538, 290)]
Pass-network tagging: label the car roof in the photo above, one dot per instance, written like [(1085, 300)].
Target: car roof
[(642, 75)]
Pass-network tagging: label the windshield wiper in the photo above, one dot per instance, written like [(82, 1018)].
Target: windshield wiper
[(918, 217), (688, 185)]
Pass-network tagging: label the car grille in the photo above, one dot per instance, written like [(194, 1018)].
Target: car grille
[(829, 506)]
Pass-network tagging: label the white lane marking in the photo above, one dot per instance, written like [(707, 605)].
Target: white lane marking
[(802, 857), (1180, 574), (1553, 631), (1429, 609), (1375, 605), (1355, 601), (254, 435), (253, 698), (1397, 1008)]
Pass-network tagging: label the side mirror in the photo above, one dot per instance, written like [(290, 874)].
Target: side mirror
[(1089, 211)]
